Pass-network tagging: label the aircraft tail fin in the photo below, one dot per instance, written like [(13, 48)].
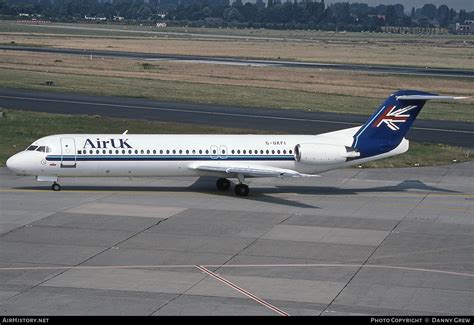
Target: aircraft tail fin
[(387, 127)]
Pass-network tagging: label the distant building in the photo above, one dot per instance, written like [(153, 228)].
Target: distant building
[(380, 17), (94, 18), (467, 28), (30, 15), (161, 25), (118, 18)]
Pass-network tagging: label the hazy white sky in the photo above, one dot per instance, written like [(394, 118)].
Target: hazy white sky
[(456, 4)]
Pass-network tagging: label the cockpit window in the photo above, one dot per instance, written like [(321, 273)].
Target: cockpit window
[(39, 148)]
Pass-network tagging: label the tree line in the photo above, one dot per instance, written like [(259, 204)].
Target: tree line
[(316, 15), (290, 14)]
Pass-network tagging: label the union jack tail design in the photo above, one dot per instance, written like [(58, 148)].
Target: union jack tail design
[(390, 116)]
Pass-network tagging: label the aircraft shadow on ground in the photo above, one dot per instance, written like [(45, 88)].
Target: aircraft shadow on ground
[(401, 187), (261, 194)]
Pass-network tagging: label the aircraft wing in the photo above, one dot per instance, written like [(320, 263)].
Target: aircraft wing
[(252, 171)]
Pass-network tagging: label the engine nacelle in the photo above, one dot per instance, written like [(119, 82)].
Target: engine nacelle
[(321, 153)]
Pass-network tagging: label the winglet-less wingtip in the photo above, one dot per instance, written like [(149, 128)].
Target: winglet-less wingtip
[(428, 97)]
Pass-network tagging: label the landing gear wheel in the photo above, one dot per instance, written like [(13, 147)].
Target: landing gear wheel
[(223, 184), (241, 190), (56, 187)]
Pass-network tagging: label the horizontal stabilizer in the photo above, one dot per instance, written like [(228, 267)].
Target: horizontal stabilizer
[(427, 97)]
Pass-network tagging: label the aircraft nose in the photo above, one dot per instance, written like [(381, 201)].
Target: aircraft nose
[(11, 162), (14, 163)]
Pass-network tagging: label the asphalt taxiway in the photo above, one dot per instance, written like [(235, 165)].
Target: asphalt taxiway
[(366, 68), (355, 241), (272, 120)]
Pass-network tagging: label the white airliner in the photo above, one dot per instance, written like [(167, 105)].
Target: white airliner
[(223, 156)]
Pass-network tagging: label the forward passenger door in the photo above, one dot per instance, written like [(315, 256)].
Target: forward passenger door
[(68, 153)]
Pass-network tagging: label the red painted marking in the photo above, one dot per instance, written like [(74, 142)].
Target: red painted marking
[(383, 116), (243, 291)]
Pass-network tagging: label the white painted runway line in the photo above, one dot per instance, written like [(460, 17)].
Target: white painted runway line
[(118, 267)]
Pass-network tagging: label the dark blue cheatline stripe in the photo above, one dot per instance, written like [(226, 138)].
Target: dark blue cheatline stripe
[(165, 158)]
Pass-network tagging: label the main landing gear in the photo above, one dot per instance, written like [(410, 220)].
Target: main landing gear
[(241, 190), (56, 187), (223, 184)]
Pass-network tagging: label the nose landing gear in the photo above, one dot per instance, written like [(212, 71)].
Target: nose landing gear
[(56, 187)]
